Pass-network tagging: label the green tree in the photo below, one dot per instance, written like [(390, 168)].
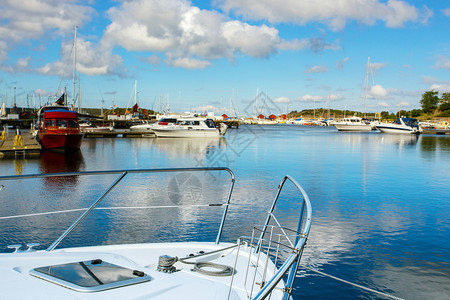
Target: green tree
[(416, 113), (429, 102), (402, 113), (445, 102), (384, 114)]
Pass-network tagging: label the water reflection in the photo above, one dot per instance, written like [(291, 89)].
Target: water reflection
[(402, 140), (56, 162), (434, 143), (197, 148)]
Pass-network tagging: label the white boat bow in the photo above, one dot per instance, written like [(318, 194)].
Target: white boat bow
[(252, 268)]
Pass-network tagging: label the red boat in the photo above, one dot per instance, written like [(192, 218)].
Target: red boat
[(58, 129)]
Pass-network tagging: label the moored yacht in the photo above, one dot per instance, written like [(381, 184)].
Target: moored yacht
[(352, 124), (58, 128), (189, 127), (401, 125)]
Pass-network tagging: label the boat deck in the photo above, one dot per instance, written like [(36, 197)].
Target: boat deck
[(183, 283)]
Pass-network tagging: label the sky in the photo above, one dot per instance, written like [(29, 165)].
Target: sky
[(226, 56)]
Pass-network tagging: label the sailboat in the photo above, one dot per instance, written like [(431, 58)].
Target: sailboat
[(356, 123)]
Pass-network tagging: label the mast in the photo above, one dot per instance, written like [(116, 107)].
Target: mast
[(74, 62), (135, 92), (329, 104), (80, 95), (367, 85)]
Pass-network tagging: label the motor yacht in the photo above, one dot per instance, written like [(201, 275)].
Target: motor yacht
[(189, 127), (352, 124), (401, 126)]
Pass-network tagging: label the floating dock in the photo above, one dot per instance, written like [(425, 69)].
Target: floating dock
[(29, 146), (437, 131), (117, 133)]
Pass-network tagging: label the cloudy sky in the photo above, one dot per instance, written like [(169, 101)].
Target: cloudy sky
[(200, 55)]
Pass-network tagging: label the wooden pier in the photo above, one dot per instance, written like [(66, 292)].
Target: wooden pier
[(11, 148)]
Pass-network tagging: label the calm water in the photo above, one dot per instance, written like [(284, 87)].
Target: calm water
[(381, 203)]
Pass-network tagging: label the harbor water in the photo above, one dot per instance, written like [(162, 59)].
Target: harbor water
[(381, 203)]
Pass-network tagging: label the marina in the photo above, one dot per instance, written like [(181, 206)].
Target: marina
[(239, 150), (368, 223)]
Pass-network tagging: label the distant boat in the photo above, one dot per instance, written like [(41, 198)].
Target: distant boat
[(352, 124), (58, 128), (401, 126), (189, 127)]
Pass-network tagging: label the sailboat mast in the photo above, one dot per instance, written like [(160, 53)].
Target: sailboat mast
[(135, 92), (74, 61), (367, 85)]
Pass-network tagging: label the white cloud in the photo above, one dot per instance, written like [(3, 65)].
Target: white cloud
[(440, 87), (403, 104), (193, 37), (383, 104), (256, 41), (185, 31), (442, 62), (91, 60), (43, 93), (429, 79), (446, 12), (152, 59), (317, 69), (377, 91), (341, 63), (335, 97), (334, 14), (187, 62), (30, 20), (310, 98), (282, 100), (377, 66)]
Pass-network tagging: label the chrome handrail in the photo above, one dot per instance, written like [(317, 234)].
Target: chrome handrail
[(123, 174), (293, 260)]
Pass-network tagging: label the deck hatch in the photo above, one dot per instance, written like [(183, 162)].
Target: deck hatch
[(90, 276)]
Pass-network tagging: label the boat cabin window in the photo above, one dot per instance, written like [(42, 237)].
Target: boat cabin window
[(185, 122), (210, 123), (49, 123), (72, 124), (61, 123), (196, 122), (168, 120)]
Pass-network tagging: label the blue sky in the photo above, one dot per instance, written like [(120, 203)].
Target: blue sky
[(198, 55)]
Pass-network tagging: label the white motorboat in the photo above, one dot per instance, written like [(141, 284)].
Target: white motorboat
[(88, 127), (190, 127), (352, 124), (401, 125), (262, 265), (142, 127), (169, 120)]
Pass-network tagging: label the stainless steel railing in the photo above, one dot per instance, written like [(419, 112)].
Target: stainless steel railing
[(121, 175)]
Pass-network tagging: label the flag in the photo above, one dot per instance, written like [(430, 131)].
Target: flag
[(60, 101)]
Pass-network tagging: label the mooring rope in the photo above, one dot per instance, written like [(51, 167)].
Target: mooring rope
[(166, 262), (351, 283)]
